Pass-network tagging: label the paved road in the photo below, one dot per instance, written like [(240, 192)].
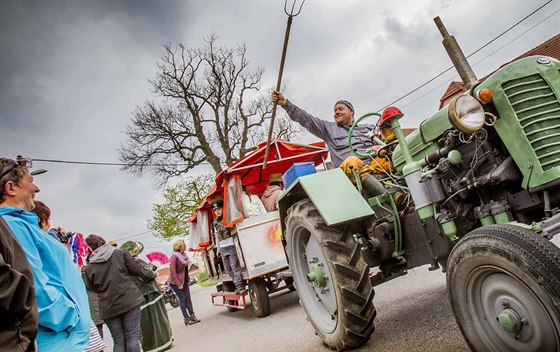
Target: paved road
[(413, 315)]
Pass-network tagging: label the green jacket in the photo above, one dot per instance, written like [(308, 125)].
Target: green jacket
[(145, 286)]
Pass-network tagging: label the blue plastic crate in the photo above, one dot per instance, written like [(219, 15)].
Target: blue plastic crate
[(297, 170)]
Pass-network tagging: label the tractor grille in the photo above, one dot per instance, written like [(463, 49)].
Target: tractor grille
[(538, 111)]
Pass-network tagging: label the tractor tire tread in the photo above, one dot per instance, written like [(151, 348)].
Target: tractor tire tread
[(350, 276), (526, 253)]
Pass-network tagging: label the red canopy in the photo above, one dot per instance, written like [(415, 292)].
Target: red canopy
[(282, 155)]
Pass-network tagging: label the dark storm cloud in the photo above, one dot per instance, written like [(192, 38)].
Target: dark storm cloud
[(31, 34), (25, 57), (70, 74), (147, 18), (22, 108)]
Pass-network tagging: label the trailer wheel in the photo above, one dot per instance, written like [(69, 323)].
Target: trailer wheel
[(174, 300), (504, 285), (259, 297), (331, 277), (230, 287)]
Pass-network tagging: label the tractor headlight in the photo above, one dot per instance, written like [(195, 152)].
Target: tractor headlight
[(466, 114)]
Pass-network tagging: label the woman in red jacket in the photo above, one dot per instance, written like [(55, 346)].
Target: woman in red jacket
[(179, 281)]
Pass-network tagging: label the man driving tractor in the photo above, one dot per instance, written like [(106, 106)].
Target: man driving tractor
[(335, 135)]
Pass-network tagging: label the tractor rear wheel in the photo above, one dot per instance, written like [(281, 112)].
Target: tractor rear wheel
[(331, 277), (504, 285)]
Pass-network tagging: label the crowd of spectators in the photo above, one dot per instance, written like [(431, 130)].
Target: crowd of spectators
[(51, 299)]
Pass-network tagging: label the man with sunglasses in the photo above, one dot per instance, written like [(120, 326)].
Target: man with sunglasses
[(64, 317)]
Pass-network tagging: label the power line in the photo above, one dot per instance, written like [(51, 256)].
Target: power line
[(78, 162), (514, 39), (106, 164), (141, 235), (138, 234), (484, 58), (510, 28), (476, 51), (138, 237)]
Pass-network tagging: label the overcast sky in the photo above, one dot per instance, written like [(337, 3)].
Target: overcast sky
[(72, 72)]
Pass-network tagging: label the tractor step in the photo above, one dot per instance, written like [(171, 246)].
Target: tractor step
[(239, 300)]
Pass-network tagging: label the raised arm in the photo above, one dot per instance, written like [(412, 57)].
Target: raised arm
[(314, 125)]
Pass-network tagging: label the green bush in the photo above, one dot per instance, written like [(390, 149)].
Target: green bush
[(201, 277)]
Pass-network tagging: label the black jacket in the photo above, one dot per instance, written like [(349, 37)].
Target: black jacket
[(19, 320), (109, 274)]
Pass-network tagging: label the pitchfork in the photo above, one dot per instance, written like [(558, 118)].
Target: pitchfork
[(291, 16)]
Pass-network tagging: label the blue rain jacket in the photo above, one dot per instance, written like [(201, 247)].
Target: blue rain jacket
[(64, 317)]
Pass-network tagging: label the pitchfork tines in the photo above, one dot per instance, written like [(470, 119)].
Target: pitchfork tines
[(291, 13)]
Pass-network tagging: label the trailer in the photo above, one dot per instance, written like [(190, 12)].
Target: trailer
[(258, 239)]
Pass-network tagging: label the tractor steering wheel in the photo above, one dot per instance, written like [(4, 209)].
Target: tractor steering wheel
[(371, 154)]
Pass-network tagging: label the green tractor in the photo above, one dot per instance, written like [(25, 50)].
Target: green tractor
[(475, 191)]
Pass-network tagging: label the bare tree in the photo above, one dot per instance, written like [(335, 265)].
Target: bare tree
[(211, 110)]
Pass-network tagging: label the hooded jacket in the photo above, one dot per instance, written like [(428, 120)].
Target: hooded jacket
[(64, 318), (109, 274), (270, 197), (18, 305)]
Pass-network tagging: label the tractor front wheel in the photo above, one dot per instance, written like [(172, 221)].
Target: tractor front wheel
[(504, 285), (331, 277)]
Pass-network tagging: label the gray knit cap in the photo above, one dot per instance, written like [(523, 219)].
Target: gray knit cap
[(346, 103)]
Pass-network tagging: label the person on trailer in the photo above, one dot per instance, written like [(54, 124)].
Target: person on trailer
[(226, 246), (272, 192), (252, 204)]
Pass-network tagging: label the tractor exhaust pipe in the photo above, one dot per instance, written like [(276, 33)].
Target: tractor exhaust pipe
[(456, 54)]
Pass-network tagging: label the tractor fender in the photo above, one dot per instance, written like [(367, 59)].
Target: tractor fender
[(332, 194)]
